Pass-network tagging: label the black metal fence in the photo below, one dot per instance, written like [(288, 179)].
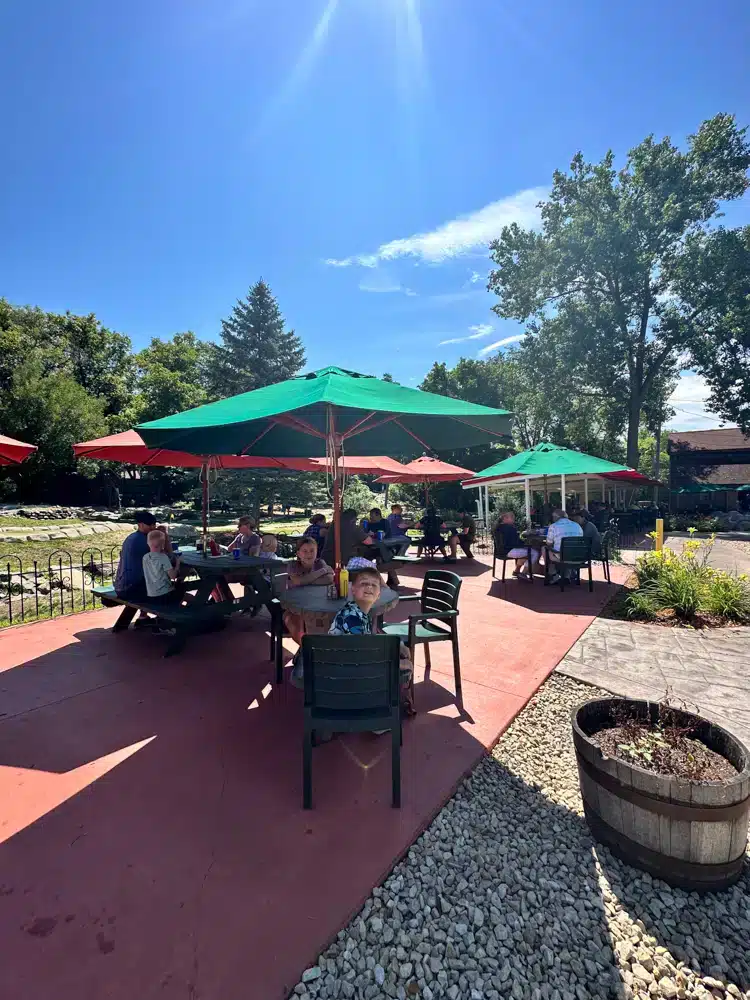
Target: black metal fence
[(61, 585)]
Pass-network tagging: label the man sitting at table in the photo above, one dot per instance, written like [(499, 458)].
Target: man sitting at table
[(509, 542), (247, 541), (376, 522), (465, 537), (352, 539), (590, 531), (561, 527), (398, 528), (432, 526)]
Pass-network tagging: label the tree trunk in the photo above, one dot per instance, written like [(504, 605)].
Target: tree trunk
[(634, 423)]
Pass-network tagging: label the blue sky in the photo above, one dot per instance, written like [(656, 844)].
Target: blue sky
[(159, 157)]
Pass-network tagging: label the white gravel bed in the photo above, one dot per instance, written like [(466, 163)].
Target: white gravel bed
[(505, 895)]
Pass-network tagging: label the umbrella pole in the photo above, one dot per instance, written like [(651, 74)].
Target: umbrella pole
[(335, 449), (204, 508)]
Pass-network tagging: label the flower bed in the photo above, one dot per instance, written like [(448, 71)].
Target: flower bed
[(680, 588)]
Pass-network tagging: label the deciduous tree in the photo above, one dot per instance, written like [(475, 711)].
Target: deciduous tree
[(609, 261)]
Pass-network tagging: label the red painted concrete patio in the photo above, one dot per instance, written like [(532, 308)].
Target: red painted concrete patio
[(152, 840)]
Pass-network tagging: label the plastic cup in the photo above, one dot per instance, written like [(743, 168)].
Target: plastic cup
[(236, 553)]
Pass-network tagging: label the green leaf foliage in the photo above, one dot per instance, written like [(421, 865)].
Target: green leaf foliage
[(608, 268)]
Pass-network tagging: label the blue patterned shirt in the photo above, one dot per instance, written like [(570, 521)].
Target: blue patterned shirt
[(351, 620)]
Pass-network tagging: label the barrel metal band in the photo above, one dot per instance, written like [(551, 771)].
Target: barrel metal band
[(691, 875), (675, 810)]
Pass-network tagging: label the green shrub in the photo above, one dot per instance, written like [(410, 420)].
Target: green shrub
[(679, 588), (684, 583), (728, 596), (639, 605)]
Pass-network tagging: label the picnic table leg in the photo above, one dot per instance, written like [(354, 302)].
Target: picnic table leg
[(176, 644), (126, 616)]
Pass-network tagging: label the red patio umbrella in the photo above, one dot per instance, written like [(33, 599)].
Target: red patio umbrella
[(428, 470), (13, 452), (129, 447)]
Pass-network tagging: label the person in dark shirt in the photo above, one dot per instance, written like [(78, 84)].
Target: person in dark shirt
[(130, 583), (353, 539), (432, 527), (464, 537), (509, 542), (376, 522)]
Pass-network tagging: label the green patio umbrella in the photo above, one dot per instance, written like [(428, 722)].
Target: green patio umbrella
[(329, 412), (546, 459), (704, 488)]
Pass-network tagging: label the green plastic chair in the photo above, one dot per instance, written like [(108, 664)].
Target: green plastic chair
[(575, 553), (436, 620), (352, 684)]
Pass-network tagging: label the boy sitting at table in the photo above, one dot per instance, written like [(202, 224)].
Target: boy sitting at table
[(354, 618)]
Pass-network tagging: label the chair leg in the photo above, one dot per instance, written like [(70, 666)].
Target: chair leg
[(504, 563), (591, 578), (427, 661), (307, 769), (456, 663), (494, 563), (396, 764)]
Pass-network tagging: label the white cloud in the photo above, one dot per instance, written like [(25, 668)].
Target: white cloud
[(501, 343), (380, 282), (474, 277), (478, 331), (458, 236), (689, 402)]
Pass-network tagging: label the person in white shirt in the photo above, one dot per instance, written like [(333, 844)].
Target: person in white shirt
[(560, 528), (159, 573)]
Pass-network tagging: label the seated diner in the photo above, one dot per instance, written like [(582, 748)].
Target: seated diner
[(317, 529), (431, 527), (306, 570), (561, 527), (354, 618), (246, 540), (464, 536), (509, 542)]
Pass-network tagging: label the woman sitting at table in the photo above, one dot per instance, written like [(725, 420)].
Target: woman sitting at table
[(431, 526), (509, 542), (247, 541), (307, 570)]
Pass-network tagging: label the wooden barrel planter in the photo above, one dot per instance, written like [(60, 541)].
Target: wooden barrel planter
[(691, 834)]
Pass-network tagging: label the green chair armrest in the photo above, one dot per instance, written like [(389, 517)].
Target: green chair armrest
[(442, 615)]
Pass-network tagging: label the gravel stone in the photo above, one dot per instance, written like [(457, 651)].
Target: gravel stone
[(507, 897)]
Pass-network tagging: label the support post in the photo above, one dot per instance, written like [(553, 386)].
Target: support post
[(562, 491), (527, 491)]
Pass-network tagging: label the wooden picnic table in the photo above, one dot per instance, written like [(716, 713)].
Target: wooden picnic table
[(214, 573)]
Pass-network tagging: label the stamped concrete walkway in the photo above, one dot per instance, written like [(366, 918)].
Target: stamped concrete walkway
[(152, 840), (710, 669)]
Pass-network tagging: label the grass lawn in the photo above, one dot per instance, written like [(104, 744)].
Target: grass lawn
[(41, 551)]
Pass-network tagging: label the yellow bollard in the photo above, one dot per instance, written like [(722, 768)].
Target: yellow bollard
[(659, 534)]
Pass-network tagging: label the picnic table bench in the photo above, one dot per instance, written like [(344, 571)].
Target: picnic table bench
[(187, 619)]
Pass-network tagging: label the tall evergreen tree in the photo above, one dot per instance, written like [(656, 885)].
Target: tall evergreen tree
[(255, 350)]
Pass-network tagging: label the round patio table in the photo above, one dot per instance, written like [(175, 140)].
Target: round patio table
[(318, 609)]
